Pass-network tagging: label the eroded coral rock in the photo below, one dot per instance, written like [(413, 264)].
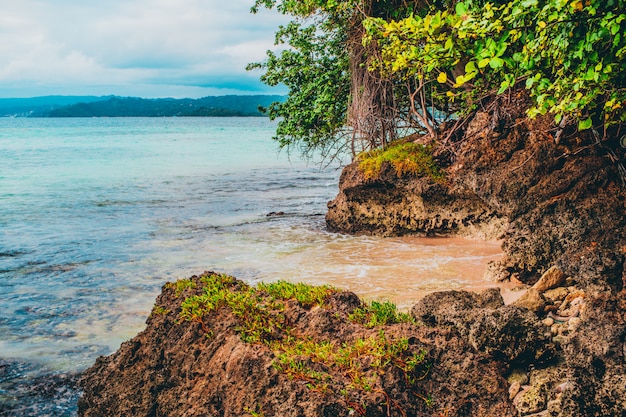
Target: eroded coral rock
[(508, 332), (552, 278), (202, 367)]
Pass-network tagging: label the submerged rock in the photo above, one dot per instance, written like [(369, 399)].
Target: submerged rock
[(27, 389)]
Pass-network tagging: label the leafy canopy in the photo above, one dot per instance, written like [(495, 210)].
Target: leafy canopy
[(442, 58), (568, 54), (314, 67)]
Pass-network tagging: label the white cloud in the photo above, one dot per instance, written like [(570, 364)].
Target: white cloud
[(173, 45)]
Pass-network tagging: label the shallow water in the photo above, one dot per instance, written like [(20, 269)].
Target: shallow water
[(97, 214)]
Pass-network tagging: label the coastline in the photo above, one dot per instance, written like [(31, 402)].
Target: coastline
[(558, 350)]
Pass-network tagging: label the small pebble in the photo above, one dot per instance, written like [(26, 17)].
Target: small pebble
[(514, 389), (576, 301), (574, 323), (518, 375), (563, 387), (520, 394), (548, 321)]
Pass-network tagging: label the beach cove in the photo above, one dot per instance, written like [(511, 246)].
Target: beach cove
[(97, 214)]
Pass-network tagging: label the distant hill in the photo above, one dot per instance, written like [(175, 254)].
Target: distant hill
[(113, 106), (26, 107)]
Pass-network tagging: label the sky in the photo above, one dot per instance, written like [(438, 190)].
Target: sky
[(140, 48)]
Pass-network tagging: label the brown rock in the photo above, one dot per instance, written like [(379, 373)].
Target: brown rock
[(489, 326), (532, 300), (514, 389), (174, 369), (552, 278), (556, 294), (496, 272), (390, 206)]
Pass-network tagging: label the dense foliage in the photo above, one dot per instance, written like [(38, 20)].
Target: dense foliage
[(334, 101), (372, 70), (314, 66), (568, 54)]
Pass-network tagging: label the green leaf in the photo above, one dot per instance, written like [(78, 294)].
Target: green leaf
[(558, 117), (496, 63), (460, 9), (528, 3), (503, 87), (585, 124), (483, 62)]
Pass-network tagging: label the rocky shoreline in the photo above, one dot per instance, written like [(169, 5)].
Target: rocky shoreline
[(559, 350)]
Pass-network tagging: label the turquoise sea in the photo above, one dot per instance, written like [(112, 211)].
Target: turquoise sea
[(97, 214)]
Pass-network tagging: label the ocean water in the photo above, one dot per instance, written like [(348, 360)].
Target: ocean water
[(97, 214)]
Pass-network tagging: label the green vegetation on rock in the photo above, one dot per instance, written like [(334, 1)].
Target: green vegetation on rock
[(306, 295), (407, 158), (379, 313), (351, 368)]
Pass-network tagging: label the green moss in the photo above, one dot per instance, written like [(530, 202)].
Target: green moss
[(318, 362), (254, 412), (159, 311), (407, 158), (306, 295), (258, 310)]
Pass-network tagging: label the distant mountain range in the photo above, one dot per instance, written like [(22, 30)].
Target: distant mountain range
[(114, 106)]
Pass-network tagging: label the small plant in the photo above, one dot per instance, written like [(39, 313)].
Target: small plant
[(407, 158), (258, 313), (180, 285), (307, 295), (354, 368), (379, 314), (254, 412), (360, 362), (159, 311)]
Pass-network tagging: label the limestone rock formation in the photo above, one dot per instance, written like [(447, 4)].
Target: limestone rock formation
[(391, 206), (559, 352)]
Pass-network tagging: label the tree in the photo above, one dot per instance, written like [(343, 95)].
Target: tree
[(380, 69), (335, 101), (314, 67)]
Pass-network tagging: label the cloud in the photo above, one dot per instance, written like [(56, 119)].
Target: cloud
[(115, 46)]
